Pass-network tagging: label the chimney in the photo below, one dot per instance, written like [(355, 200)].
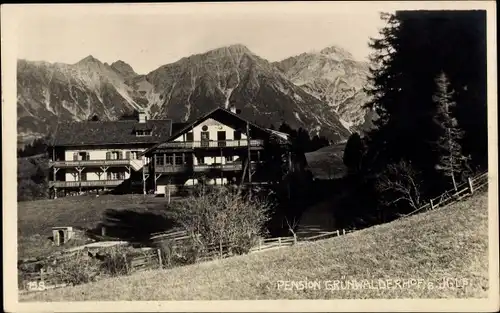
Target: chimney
[(143, 116)]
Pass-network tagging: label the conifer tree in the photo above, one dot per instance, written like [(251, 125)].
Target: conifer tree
[(448, 144), (353, 153)]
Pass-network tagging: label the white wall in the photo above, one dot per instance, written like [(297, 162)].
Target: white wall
[(213, 127), (72, 175), (97, 154), (162, 183), (211, 160)]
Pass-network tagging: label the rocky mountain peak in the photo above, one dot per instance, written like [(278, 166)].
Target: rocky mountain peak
[(123, 68), (88, 60), (231, 50), (337, 53)]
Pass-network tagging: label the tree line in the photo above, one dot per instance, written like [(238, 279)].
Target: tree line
[(302, 139), (37, 146), (428, 87)]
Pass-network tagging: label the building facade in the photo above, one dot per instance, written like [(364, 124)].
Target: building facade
[(101, 155), (219, 148), (147, 156)]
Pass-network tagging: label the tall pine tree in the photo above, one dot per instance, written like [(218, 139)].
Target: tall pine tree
[(451, 159)]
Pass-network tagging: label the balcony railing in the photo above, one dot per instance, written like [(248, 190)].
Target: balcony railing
[(200, 167), (86, 183), (213, 144), (136, 164)]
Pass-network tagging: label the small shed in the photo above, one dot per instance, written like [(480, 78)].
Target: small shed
[(61, 235)]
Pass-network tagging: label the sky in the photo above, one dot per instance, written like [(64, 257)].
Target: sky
[(147, 38)]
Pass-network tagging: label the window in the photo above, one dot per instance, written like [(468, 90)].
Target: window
[(205, 138), (170, 160), (229, 158), (141, 133), (221, 138), (189, 137), (178, 159), (159, 159), (200, 160), (133, 155), (237, 135), (81, 156), (116, 175), (114, 155)]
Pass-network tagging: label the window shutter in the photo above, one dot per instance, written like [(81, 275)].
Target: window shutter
[(75, 156), (127, 154), (120, 155), (108, 155), (88, 156)]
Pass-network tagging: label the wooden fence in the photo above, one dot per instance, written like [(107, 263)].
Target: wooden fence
[(273, 243), (463, 190), (149, 260)]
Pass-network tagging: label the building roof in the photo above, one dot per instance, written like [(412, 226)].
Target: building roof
[(230, 119), (278, 133), (111, 132)]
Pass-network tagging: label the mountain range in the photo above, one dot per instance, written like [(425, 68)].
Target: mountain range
[(319, 91)]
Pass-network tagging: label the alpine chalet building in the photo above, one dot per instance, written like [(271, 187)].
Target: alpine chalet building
[(147, 156)]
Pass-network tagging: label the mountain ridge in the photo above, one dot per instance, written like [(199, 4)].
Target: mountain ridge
[(182, 90), (334, 76)]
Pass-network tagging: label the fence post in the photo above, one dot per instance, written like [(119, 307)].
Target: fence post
[(432, 205), (343, 231), (103, 231), (338, 232), (294, 239), (169, 191), (41, 274), (159, 257), (470, 185), (279, 241)]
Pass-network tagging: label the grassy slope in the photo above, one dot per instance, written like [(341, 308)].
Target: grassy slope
[(36, 218), (450, 242), (327, 163)]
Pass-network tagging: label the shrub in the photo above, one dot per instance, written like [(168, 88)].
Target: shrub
[(79, 269), (117, 261), (221, 216), (179, 253)]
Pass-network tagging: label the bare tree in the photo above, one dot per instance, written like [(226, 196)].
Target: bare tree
[(400, 182), (292, 227)]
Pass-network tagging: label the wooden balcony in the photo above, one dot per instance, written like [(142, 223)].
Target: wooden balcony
[(212, 144), (135, 164), (86, 183), (201, 168)]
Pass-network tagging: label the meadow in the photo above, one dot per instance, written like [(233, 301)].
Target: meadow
[(451, 242), (36, 218)]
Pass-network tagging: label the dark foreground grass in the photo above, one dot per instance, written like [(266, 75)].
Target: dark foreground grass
[(448, 243), (36, 218)]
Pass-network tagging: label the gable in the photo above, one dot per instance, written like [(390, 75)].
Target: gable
[(220, 120), (212, 127)]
